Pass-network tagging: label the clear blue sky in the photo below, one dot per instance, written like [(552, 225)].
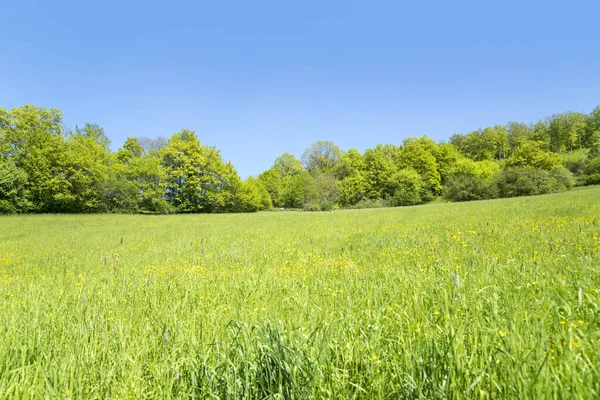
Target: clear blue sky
[(259, 78)]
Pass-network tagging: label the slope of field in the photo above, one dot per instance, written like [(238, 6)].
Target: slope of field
[(493, 299)]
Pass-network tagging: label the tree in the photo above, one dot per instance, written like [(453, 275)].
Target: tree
[(517, 133), (471, 180), (353, 188), (594, 142), (323, 193), (446, 156), (380, 167), (197, 180), (31, 138), (296, 189), (252, 196), (477, 169), (272, 181), (322, 156), (151, 145), (416, 153), (592, 126), (84, 167), (530, 155), (139, 180), (132, 148), (286, 164), (406, 186), (13, 183), (566, 131)]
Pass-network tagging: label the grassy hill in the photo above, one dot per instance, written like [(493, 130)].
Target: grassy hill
[(490, 299)]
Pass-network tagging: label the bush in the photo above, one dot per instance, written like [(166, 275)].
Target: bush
[(311, 207), (369, 203), (575, 161), (513, 182), (328, 206), (592, 172), (561, 179), (6, 207), (593, 179), (468, 187), (407, 187)]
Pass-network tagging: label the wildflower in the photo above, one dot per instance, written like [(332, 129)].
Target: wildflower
[(501, 333)]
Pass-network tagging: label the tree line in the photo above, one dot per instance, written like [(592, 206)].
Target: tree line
[(47, 168)]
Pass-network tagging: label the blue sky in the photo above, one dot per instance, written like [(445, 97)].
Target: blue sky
[(260, 78)]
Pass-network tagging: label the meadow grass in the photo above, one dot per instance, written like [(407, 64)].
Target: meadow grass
[(491, 299)]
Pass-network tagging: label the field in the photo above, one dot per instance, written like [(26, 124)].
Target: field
[(492, 299)]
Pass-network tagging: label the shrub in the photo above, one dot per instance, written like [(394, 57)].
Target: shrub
[(311, 207), (328, 206), (6, 207), (369, 203), (561, 179), (407, 188), (575, 161), (512, 182), (466, 187), (592, 172), (593, 179)]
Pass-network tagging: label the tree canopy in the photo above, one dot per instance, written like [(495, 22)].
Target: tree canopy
[(45, 167)]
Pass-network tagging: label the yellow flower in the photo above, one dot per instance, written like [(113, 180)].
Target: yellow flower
[(501, 333), (563, 322)]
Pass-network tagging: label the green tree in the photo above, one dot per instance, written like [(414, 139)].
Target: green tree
[(349, 163), (296, 189), (31, 138), (353, 188), (517, 133), (566, 131), (84, 166), (13, 182), (594, 144), (530, 155), (323, 193), (252, 196), (272, 181), (286, 164), (321, 157), (380, 167), (138, 180), (352, 176), (197, 179), (406, 186), (416, 153)]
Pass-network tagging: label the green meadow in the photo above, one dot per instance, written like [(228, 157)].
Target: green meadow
[(493, 299)]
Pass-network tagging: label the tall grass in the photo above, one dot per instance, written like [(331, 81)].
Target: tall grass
[(492, 299)]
